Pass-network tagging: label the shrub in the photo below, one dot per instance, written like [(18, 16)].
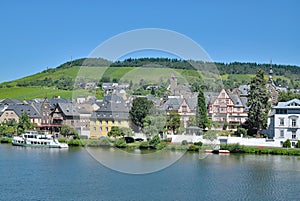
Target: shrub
[(120, 143), (161, 145), (287, 144), (154, 141), (5, 140), (233, 148), (198, 143), (62, 140), (144, 145), (97, 143), (184, 142), (75, 143), (298, 144), (168, 140), (193, 148), (241, 131)]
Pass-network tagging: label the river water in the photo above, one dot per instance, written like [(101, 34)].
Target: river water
[(74, 174)]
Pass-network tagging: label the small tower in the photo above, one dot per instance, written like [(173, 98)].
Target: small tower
[(271, 73), (173, 83)]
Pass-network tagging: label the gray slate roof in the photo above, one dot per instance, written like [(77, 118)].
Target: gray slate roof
[(68, 109), (19, 109), (295, 103)]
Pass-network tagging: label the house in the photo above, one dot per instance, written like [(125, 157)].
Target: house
[(112, 111), (13, 112), (284, 121), (85, 112), (65, 114), (109, 87), (186, 107), (226, 108)]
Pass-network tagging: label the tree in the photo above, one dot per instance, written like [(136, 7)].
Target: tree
[(201, 113), (258, 102), (287, 96), (241, 131), (192, 121), (173, 121), (211, 136), (141, 107), (68, 131), (24, 123), (154, 141), (287, 144), (154, 123), (115, 131), (126, 131)]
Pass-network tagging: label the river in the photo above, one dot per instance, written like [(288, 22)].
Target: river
[(75, 174)]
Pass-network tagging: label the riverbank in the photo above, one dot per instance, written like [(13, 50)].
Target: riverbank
[(191, 147), (236, 148)]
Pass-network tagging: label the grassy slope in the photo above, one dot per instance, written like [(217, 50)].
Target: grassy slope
[(150, 75)]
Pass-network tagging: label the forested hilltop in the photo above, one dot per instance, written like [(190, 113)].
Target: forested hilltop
[(60, 80), (285, 75)]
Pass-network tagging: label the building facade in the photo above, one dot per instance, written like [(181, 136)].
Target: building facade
[(284, 122), (112, 112), (226, 107)]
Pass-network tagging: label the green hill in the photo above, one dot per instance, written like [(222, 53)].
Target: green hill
[(65, 79)]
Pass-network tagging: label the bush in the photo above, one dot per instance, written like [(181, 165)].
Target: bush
[(184, 142), (298, 144), (144, 145), (75, 143), (5, 140), (287, 144), (161, 145), (62, 140), (120, 143), (233, 148), (168, 140), (193, 148), (241, 131), (97, 143), (154, 141), (198, 143)]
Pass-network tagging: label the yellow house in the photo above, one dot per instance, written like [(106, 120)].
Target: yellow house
[(109, 114)]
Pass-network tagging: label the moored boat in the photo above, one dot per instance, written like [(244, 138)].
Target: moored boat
[(34, 139), (221, 151)]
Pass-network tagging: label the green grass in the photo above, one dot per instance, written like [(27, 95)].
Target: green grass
[(29, 93)]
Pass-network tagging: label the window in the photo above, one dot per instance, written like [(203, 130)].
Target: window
[(293, 134), (282, 133), (184, 108), (281, 121), (293, 122)]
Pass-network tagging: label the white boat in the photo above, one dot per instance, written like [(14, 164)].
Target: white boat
[(34, 139)]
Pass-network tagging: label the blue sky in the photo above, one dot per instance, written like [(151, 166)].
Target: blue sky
[(35, 35)]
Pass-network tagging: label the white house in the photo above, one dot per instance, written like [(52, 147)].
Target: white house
[(284, 122)]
